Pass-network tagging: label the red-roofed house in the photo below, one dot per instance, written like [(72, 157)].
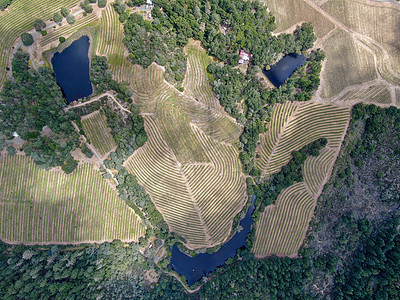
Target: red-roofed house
[(244, 56)]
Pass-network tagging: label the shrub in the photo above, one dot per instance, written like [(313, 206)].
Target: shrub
[(61, 39), (57, 17), (64, 12), (11, 150), (102, 3), (27, 39), (43, 32), (39, 24), (71, 19)]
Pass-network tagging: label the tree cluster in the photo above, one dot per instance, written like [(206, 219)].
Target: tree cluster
[(4, 4), (32, 101)]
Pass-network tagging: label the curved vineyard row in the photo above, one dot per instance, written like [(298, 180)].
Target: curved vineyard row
[(110, 43), (282, 227), (38, 206), (373, 94), (97, 131), (19, 18), (196, 81), (66, 30), (307, 123)]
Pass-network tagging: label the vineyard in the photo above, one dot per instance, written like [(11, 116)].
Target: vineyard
[(97, 131), (362, 49), (194, 177), (282, 226), (19, 18), (39, 206), (110, 43), (52, 38)]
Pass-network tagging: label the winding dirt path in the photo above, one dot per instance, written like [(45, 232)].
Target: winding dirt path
[(109, 94)]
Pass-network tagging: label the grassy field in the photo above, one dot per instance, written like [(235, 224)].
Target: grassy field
[(363, 46), (282, 227), (291, 12), (373, 19), (97, 131), (19, 18), (348, 63), (39, 206), (189, 165), (379, 94)]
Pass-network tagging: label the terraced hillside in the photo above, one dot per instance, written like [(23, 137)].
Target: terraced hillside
[(38, 206), (282, 226), (97, 131), (19, 18), (362, 49), (110, 43), (196, 82), (53, 35), (189, 165)]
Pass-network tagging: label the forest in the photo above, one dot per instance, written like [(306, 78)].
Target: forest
[(32, 101)]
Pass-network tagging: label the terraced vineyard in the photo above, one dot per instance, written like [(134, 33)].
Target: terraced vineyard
[(295, 125), (110, 43), (38, 206), (97, 131), (372, 94), (188, 166), (196, 81), (66, 30), (282, 226), (19, 18)]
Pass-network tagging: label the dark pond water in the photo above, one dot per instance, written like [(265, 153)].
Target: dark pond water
[(72, 70), (284, 68), (194, 268)]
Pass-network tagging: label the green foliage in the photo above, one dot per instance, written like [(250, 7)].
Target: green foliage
[(231, 87), (100, 75), (132, 3), (86, 6), (57, 17), (70, 19), (4, 4), (268, 191), (27, 39), (69, 166), (39, 24), (61, 39), (31, 102), (102, 3), (11, 150), (64, 12), (43, 32)]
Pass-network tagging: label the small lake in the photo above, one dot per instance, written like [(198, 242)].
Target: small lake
[(284, 68), (194, 268), (72, 70)]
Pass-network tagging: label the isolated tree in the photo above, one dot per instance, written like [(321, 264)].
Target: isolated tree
[(64, 12), (27, 39), (57, 17), (61, 39), (39, 25), (102, 3), (71, 19)]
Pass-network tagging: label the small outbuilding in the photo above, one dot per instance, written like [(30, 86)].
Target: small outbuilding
[(244, 56)]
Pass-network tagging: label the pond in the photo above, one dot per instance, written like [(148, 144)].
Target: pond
[(194, 268), (71, 67), (284, 68)]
